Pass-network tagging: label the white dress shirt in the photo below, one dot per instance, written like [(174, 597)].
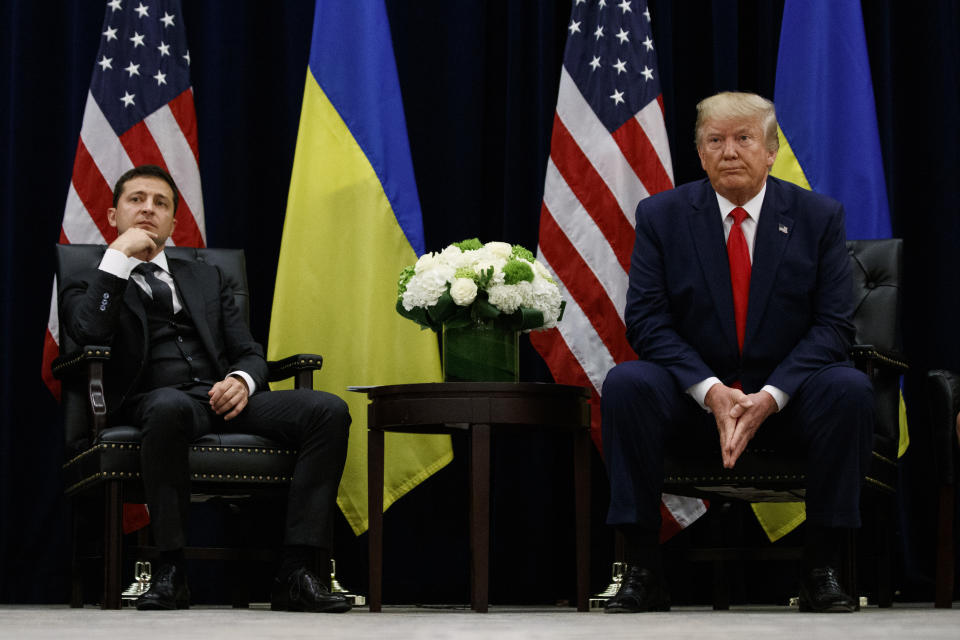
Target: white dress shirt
[(117, 263), (749, 228)]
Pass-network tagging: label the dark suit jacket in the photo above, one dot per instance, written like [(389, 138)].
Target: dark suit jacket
[(99, 308), (679, 310)]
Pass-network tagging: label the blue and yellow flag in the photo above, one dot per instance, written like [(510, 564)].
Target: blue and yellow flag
[(829, 141), (353, 223)]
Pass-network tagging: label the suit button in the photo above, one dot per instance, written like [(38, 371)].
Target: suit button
[(196, 379), (189, 359), (179, 338)]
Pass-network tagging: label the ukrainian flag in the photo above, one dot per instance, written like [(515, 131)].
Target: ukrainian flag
[(353, 223), (829, 141)]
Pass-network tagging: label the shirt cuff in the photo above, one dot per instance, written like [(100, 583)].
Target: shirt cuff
[(780, 397), (243, 375), (116, 263), (699, 391)]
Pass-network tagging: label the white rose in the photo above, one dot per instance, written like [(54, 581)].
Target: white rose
[(463, 291), (424, 289), (499, 249)]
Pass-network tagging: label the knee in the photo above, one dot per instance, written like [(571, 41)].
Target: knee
[(633, 379), (849, 387), (167, 411), (329, 413)]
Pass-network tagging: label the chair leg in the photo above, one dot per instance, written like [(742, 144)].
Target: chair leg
[(112, 543), (944, 580), (885, 519), (76, 568), (848, 570)]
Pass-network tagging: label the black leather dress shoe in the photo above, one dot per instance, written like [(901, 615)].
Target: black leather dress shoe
[(820, 592), (168, 590), (303, 591), (640, 590)]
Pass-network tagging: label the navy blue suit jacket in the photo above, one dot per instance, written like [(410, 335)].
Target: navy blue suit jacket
[(679, 311)]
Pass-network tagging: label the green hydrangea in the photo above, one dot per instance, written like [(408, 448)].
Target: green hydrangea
[(467, 245), (467, 272), (520, 252), (405, 275), (517, 271)]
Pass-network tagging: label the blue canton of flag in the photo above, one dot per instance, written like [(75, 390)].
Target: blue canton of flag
[(611, 58), (143, 62)]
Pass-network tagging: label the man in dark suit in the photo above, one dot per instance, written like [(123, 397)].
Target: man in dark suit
[(184, 364), (739, 306)]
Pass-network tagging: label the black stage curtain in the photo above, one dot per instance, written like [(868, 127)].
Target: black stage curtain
[(479, 82)]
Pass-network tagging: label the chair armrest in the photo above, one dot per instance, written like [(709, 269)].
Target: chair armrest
[(868, 358), (77, 362), (301, 366), (87, 361), (943, 404)]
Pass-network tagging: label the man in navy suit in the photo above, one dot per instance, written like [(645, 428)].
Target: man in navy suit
[(184, 364), (739, 307)]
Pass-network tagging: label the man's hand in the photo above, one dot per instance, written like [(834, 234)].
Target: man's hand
[(229, 396), (136, 242), (721, 400), (749, 414)]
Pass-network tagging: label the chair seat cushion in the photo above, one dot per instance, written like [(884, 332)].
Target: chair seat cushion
[(220, 463)]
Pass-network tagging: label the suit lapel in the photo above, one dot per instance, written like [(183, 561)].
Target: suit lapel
[(707, 231), (192, 298), (773, 234)]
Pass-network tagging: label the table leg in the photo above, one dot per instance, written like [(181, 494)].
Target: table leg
[(581, 478), (479, 516), (375, 515)]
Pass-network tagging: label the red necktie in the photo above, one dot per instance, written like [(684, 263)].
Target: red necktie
[(739, 256)]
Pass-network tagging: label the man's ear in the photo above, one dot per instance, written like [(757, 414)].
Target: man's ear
[(112, 216)]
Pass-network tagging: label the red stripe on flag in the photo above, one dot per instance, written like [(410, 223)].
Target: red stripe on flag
[(143, 149), (669, 526), (93, 190), (567, 370), (584, 287), (592, 192), (50, 352), (640, 153), (183, 112)]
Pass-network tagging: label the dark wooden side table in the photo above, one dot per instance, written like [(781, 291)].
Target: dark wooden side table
[(477, 408)]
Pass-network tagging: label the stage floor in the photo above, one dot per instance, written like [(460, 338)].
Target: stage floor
[(502, 623)]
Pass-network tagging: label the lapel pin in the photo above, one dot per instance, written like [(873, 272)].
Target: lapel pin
[(783, 228)]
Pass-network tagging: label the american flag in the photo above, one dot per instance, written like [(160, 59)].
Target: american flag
[(609, 151), (139, 110)]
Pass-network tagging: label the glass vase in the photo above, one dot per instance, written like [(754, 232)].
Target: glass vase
[(480, 353)]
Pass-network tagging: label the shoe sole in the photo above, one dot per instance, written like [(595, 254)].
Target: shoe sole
[(806, 607), (338, 608)]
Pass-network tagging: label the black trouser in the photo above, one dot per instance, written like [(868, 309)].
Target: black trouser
[(314, 422)]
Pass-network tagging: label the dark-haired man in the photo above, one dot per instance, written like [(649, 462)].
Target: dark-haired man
[(739, 307), (184, 364)]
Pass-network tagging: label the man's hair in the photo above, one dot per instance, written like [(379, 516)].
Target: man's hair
[(146, 171), (730, 105)]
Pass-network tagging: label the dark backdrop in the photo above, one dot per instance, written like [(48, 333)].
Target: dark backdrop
[(479, 82)]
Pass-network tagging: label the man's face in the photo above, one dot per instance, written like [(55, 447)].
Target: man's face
[(147, 203), (734, 154)]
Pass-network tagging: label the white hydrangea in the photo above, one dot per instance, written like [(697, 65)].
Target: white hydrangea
[(435, 274), (506, 297), (429, 283), (463, 291)]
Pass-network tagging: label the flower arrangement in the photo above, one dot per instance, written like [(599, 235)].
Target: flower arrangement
[(474, 283)]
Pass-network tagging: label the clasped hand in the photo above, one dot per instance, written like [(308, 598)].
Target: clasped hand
[(229, 397), (738, 416)]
